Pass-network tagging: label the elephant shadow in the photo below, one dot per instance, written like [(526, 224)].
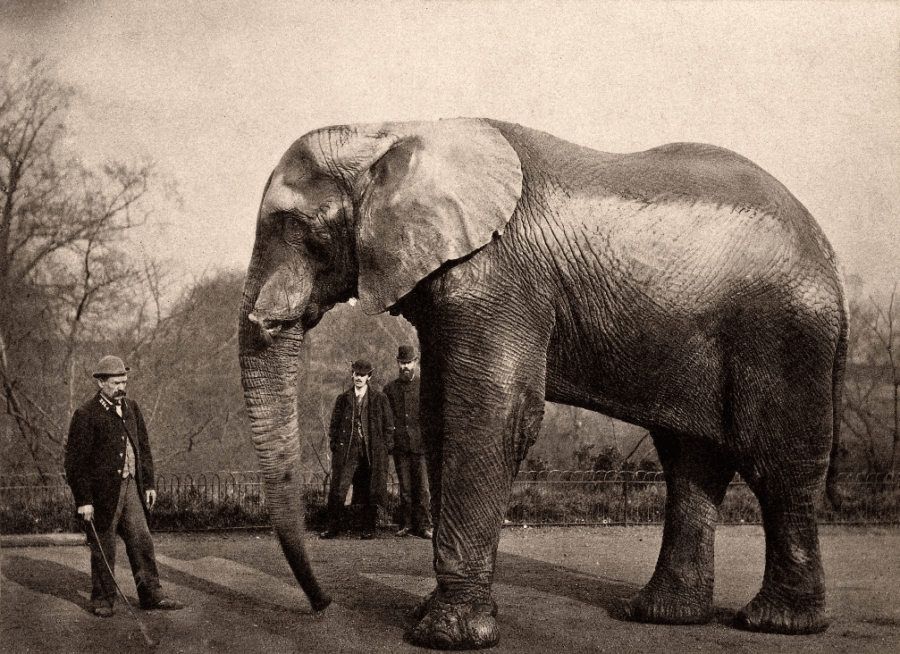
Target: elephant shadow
[(513, 570), (606, 593), (48, 578)]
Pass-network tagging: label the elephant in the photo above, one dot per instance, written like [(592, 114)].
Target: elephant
[(682, 289)]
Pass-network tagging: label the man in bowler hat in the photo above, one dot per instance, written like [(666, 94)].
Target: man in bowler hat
[(360, 435), (109, 468), (409, 454)]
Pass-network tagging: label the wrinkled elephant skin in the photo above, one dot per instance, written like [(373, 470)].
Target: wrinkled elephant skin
[(681, 289)]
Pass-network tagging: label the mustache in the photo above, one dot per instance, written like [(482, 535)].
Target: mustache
[(119, 394)]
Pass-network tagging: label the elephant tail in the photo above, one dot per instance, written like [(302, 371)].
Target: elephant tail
[(837, 393)]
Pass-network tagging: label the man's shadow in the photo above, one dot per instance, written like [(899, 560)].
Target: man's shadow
[(48, 578)]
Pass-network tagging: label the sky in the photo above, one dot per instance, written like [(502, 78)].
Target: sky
[(215, 90)]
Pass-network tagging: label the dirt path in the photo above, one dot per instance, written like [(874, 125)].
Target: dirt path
[(556, 589)]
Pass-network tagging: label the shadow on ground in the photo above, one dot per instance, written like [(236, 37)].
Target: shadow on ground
[(48, 578), (557, 590)]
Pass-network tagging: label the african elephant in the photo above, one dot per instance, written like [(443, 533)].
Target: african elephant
[(682, 289)]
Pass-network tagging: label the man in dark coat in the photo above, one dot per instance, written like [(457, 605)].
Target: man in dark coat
[(361, 436), (109, 468), (409, 454)]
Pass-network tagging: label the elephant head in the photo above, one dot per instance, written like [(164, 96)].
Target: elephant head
[(354, 211)]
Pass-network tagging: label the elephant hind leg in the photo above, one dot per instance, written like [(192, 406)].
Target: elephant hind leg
[(792, 597), (782, 417), (697, 476)]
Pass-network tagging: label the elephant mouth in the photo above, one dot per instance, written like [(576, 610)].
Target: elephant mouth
[(271, 328)]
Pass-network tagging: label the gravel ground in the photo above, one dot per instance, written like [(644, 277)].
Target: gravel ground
[(557, 589)]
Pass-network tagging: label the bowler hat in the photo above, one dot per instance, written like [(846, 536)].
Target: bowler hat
[(407, 353), (110, 366), (362, 367)]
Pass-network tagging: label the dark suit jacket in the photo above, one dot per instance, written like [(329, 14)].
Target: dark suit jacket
[(404, 399), (95, 455), (379, 430)]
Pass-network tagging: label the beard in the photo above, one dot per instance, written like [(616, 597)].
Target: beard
[(406, 375)]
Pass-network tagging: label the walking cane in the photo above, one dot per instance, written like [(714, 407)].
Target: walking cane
[(150, 641)]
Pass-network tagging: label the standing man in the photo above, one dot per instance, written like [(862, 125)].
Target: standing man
[(361, 435), (409, 455), (109, 468)]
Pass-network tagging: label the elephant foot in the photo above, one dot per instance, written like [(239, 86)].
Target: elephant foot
[(443, 625), (780, 617), (661, 607)]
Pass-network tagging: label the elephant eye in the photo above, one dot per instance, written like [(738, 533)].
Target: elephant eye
[(294, 229), (304, 233)]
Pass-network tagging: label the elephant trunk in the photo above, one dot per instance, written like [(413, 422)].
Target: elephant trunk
[(269, 378)]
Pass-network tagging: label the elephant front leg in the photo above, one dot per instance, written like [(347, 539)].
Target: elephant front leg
[(460, 613), (681, 589), (482, 448)]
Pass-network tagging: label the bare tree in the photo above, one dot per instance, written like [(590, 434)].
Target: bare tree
[(62, 261), (885, 328), (872, 389)]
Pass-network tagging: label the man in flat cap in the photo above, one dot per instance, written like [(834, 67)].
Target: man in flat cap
[(409, 454), (109, 468), (361, 435)]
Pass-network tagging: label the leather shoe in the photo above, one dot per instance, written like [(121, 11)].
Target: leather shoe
[(164, 604), (368, 535), (329, 533), (104, 611), (426, 533), (403, 532)]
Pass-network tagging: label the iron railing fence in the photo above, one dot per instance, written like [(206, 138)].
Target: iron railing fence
[(638, 497), (231, 500)]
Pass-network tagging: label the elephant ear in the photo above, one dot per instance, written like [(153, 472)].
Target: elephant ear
[(440, 191)]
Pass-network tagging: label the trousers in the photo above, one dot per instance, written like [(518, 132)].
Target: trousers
[(415, 498), (356, 471), (130, 523)]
